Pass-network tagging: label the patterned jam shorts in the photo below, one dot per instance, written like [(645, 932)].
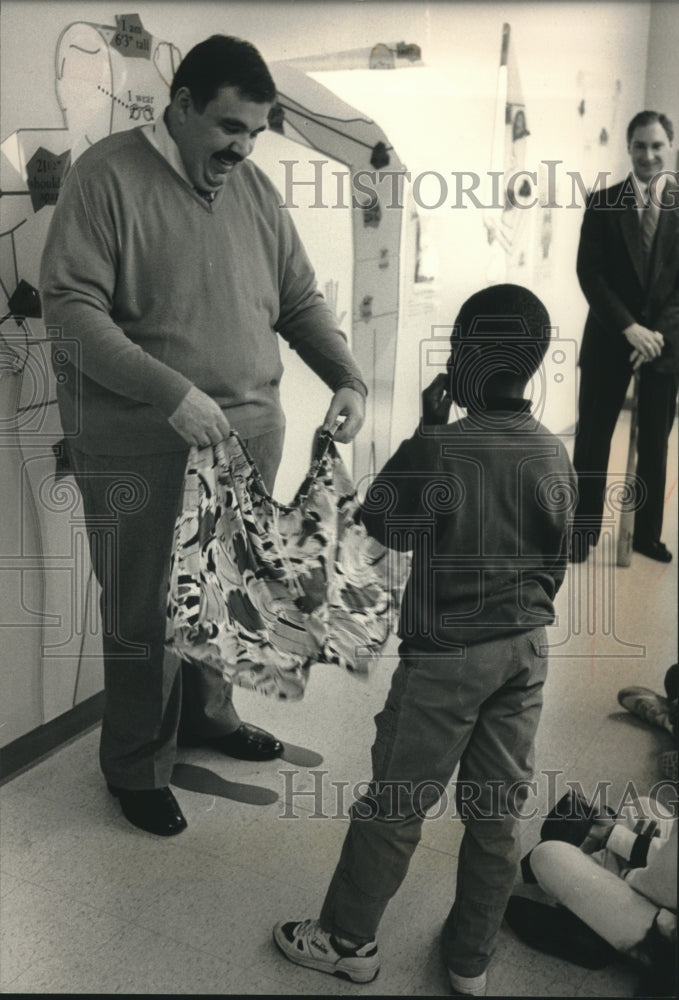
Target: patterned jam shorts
[(261, 590)]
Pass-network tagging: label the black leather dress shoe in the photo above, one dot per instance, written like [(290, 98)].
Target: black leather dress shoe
[(246, 743), (154, 809), (654, 550)]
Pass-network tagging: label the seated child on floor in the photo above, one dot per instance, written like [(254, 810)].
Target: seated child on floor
[(614, 878)]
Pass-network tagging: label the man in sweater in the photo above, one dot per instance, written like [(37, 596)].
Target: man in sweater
[(172, 266)]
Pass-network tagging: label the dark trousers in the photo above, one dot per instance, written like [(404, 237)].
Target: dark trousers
[(603, 386), (130, 503)]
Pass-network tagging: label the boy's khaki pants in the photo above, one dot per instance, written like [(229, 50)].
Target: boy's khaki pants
[(480, 709)]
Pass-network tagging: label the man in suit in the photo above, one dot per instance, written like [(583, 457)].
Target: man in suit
[(628, 268)]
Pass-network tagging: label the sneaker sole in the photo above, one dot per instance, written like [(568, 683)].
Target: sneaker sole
[(478, 989), (283, 946)]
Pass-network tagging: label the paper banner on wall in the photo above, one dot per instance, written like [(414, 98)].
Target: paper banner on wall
[(599, 122), (384, 55), (509, 223), (107, 78)]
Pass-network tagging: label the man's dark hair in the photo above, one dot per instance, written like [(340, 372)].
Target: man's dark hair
[(224, 61), (644, 118), (507, 326)]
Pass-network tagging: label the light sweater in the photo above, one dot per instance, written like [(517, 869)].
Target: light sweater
[(154, 290)]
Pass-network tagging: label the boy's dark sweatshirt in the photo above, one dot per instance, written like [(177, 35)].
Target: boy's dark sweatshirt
[(485, 505)]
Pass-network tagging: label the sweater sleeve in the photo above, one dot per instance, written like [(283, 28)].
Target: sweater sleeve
[(78, 278), (394, 498), (559, 565), (306, 321)]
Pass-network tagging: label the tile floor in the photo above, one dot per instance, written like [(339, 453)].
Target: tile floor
[(89, 904)]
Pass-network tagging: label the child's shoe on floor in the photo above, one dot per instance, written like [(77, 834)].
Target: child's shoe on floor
[(307, 944), (647, 705), (468, 986)]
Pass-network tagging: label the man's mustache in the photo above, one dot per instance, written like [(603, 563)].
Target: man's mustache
[(230, 156)]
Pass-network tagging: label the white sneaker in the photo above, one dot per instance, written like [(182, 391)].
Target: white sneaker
[(468, 986), (307, 944)]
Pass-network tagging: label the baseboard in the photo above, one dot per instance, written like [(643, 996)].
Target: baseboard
[(32, 747)]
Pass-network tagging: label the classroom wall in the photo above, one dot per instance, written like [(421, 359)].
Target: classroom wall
[(662, 68), (439, 118), (583, 70)]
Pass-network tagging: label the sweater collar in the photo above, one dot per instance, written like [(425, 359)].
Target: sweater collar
[(507, 404), (159, 136)]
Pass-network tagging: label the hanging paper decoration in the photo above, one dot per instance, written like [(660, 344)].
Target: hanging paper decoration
[(508, 223)]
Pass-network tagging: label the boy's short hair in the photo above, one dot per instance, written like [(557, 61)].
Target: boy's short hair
[(224, 61), (506, 326)]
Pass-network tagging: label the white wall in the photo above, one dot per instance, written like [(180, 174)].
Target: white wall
[(662, 70), (438, 118)]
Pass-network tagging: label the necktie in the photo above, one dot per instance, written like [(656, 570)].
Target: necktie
[(649, 222)]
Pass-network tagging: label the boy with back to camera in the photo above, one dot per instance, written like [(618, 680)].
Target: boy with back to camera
[(484, 503)]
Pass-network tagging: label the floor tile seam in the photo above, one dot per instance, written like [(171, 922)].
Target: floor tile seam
[(35, 798), (243, 865), (10, 874), (14, 792), (304, 808), (46, 792), (234, 855), (52, 891), (5, 984), (4, 987), (38, 799), (174, 940), (43, 960), (72, 896), (201, 950), (235, 860), (249, 867)]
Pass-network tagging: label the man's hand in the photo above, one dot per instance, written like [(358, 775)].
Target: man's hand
[(436, 401), (637, 360), (199, 419), (647, 344), (350, 404)]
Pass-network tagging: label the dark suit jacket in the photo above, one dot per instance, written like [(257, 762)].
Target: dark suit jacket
[(611, 273)]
